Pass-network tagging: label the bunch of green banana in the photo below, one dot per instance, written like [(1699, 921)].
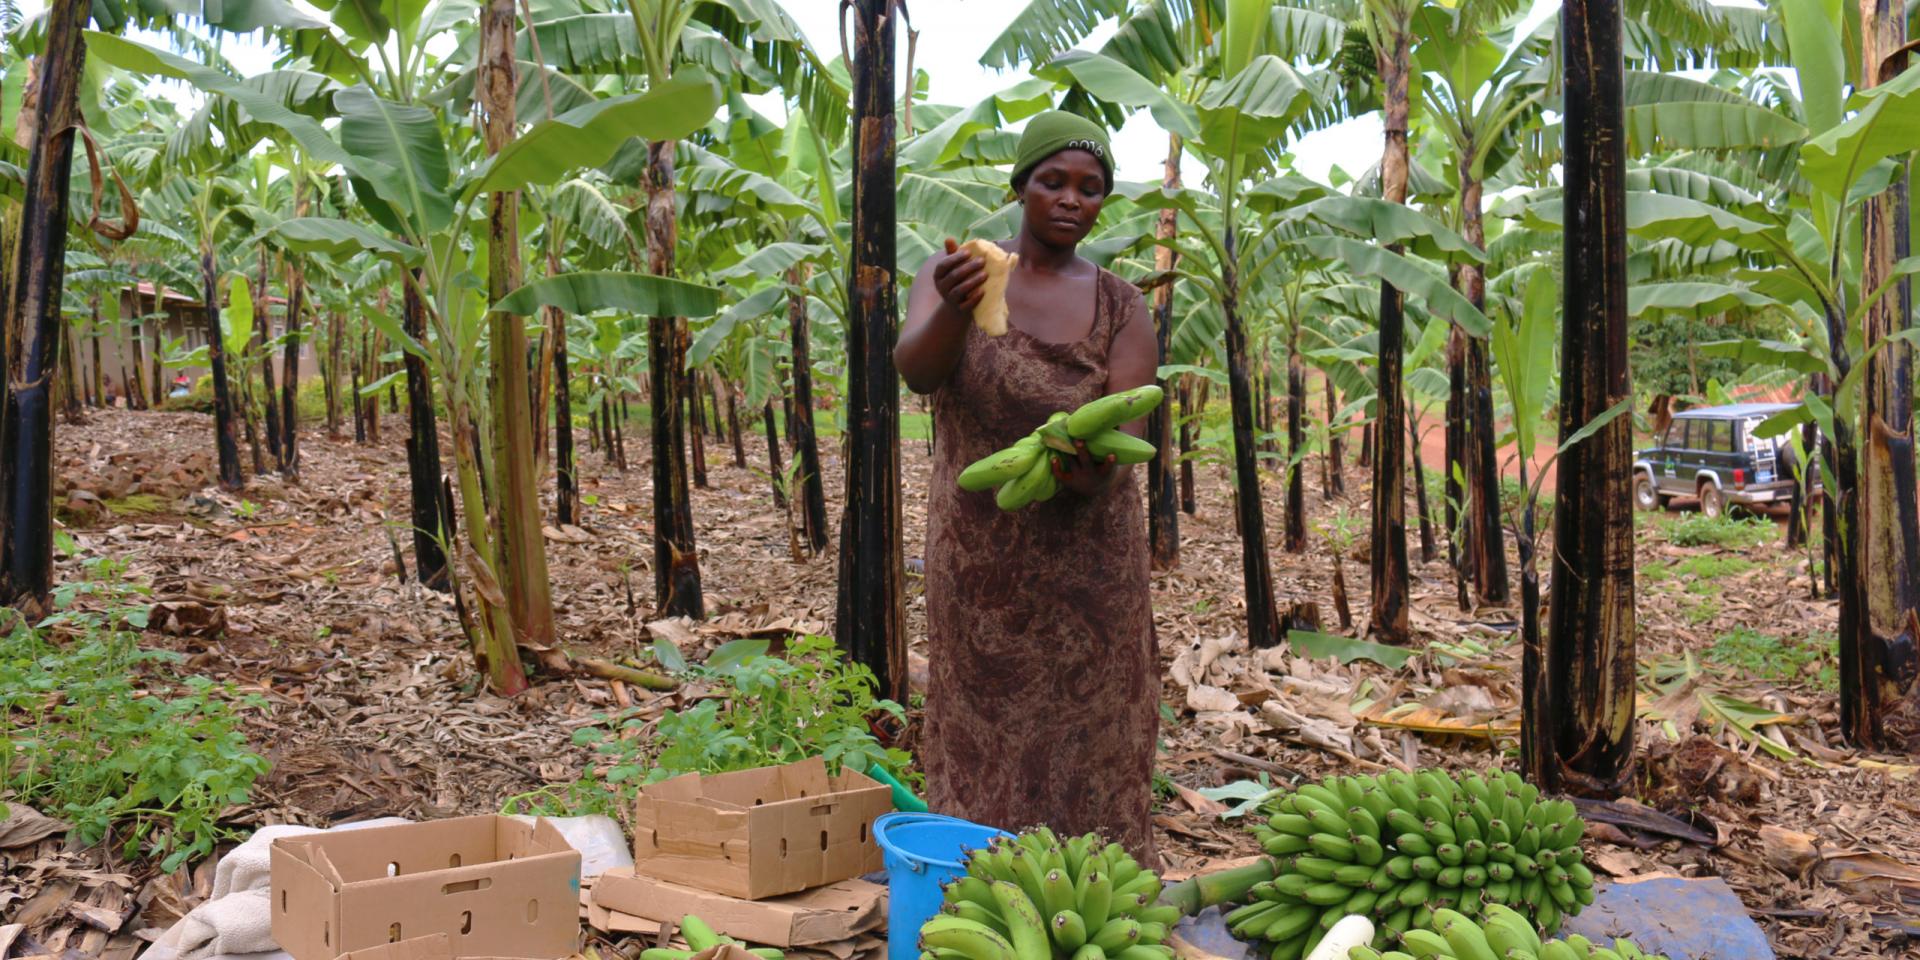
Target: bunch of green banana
[(1024, 471), (1036, 897), (1503, 934), (700, 937), (1400, 847)]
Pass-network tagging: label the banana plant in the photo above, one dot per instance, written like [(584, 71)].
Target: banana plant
[(402, 170)]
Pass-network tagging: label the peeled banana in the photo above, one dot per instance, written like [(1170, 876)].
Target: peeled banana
[(1024, 471), (1405, 848), (990, 314), (1502, 934), (1037, 897)]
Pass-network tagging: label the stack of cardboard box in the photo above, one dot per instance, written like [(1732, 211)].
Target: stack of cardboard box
[(771, 856)]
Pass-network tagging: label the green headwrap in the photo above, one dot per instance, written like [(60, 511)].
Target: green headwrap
[(1056, 130)]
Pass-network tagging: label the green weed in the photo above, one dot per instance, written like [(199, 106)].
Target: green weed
[(762, 710), (1703, 610), (1769, 657), (1700, 530), (135, 504), (99, 732)]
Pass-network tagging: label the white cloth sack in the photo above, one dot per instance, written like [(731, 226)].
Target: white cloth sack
[(237, 921)]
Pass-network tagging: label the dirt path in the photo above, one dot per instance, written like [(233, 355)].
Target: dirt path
[(373, 709)]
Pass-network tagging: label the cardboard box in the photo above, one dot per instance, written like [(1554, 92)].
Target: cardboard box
[(835, 912), (494, 886), (435, 947), (760, 833)]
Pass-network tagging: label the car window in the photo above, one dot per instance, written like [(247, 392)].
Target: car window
[(1720, 440), (1685, 438), (1676, 434)]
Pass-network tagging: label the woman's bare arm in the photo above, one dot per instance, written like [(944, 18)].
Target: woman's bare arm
[(939, 311)]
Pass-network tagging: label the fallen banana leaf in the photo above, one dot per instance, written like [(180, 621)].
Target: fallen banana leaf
[(1347, 649), (1644, 819), (1801, 854), (1421, 718)]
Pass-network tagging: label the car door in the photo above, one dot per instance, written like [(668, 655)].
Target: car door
[(1670, 453), (1716, 454)]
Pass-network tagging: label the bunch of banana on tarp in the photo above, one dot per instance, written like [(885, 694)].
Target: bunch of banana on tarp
[(701, 938), (1037, 897), (1024, 471)]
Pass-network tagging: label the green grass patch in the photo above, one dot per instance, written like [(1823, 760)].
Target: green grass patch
[(1700, 530), (1703, 610), (135, 505), (1813, 659), (110, 738)]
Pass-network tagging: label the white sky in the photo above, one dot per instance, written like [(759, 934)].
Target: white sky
[(953, 35)]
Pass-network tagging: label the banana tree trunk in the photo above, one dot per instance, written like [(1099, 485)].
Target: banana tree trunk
[(733, 430), (1454, 466), (223, 437), (93, 339), (1188, 503), (262, 333), (1388, 561), (871, 622), (68, 380), (775, 472), (30, 322), (522, 552), (1486, 551), (159, 384), (1263, 621), (1879, 663), (1163, 512), (1336, 456), (423, 452), (330, 375), (696, 428), (290, 354), (1420, 486), (1295, 540), (1578, 722), (813, 491), (676, 561), (566, 490)]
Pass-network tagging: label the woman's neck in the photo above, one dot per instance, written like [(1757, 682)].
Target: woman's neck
[(1037, 254)]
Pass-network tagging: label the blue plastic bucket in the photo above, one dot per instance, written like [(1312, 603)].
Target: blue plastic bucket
[(922, 852)]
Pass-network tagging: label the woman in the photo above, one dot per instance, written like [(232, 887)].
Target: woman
[(1044, 694)]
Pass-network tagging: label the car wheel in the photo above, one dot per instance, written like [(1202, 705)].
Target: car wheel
[(1644, 495), (1713, 503)]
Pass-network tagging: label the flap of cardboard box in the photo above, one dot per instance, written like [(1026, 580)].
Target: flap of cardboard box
[(435, 947), (820, 915)]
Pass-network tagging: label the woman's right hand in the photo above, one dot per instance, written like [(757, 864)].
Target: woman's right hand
[(961, 279)]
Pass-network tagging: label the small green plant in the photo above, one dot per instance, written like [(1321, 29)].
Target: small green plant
[(1702, 611), (763, 710), (101, 733), (1700, 530), (247, 509), (1767, 656)]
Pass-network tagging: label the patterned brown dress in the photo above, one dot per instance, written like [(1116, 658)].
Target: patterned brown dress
[(1043, 700)]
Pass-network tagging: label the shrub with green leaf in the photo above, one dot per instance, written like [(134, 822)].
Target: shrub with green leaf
[(760, 710), (1700, 530), (108, 737)]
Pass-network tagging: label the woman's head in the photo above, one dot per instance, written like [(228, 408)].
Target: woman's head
[(1062, 173)]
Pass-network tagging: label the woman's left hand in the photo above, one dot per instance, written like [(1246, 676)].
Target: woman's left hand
[(1084, 473)]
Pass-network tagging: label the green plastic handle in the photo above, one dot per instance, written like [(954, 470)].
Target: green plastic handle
[(903, 799)]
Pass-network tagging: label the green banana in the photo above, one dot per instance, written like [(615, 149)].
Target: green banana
[(698, 934), (1122, 447), (1118, 934), (1112, 410), (1026, 488), (974, 940), (998, 468), (1069, 930), (1025, 930)]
